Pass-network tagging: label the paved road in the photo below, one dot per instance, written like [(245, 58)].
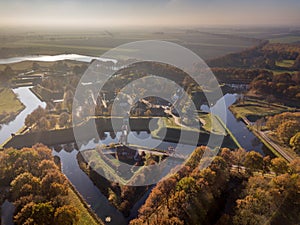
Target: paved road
[(278, 148), (275, 146)]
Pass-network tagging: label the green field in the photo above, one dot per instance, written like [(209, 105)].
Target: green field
[(257, 109), (212, 124), (10, 105), (209, 122)]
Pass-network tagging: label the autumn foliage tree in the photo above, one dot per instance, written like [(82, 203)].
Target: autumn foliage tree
[(287, 130), (295, 142), (37, 187)]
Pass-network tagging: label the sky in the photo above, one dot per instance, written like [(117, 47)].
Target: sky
[(78, 13)]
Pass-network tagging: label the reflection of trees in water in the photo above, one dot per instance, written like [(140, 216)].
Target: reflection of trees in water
[(267, 152), (112, 135), (76, 146), (102, 135), (96, 140), (57, 148), (68, 147), (255, 142)]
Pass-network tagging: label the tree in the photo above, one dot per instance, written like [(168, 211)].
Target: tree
[(66, 215), (52, 122), (63, 119), (25, 184), (54, 183), (287, 130), (279, 165), (188, 184), (68, 100), (266, 164), (24, 215), (253, 161), (45, 166), (227, 155), (43, 124), (253, 210), (295, 166), (287, 198), (274, 121), (239, 157), (167, 186), (35, 116), (32, 213), (295, 142), (6, 74), (170, 221), (42, 213)]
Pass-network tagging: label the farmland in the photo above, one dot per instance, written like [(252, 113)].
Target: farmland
[(206, 45)]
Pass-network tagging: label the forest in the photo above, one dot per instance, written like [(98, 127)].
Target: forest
[(32, 180), (239, 187)]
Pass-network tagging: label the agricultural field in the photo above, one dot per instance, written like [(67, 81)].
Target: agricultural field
[(206, 45), (286, 39)]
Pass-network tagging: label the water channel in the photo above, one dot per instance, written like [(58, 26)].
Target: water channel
[(53, 58)]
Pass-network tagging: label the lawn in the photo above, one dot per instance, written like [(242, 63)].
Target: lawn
[(85, 216), (10, 105), (257, 109), (170, 123), (93, 156), (211, 123)]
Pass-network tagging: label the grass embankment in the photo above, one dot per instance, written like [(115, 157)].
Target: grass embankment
[(93, 155), (256, 109), (109, 166), (238, 145), (85, 216), (174, 129), (211, 123), (10, 105)]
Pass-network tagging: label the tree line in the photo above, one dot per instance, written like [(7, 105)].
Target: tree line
[(281, 86), (36, 186), (239, 188), (286, 127), (261, 56)]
